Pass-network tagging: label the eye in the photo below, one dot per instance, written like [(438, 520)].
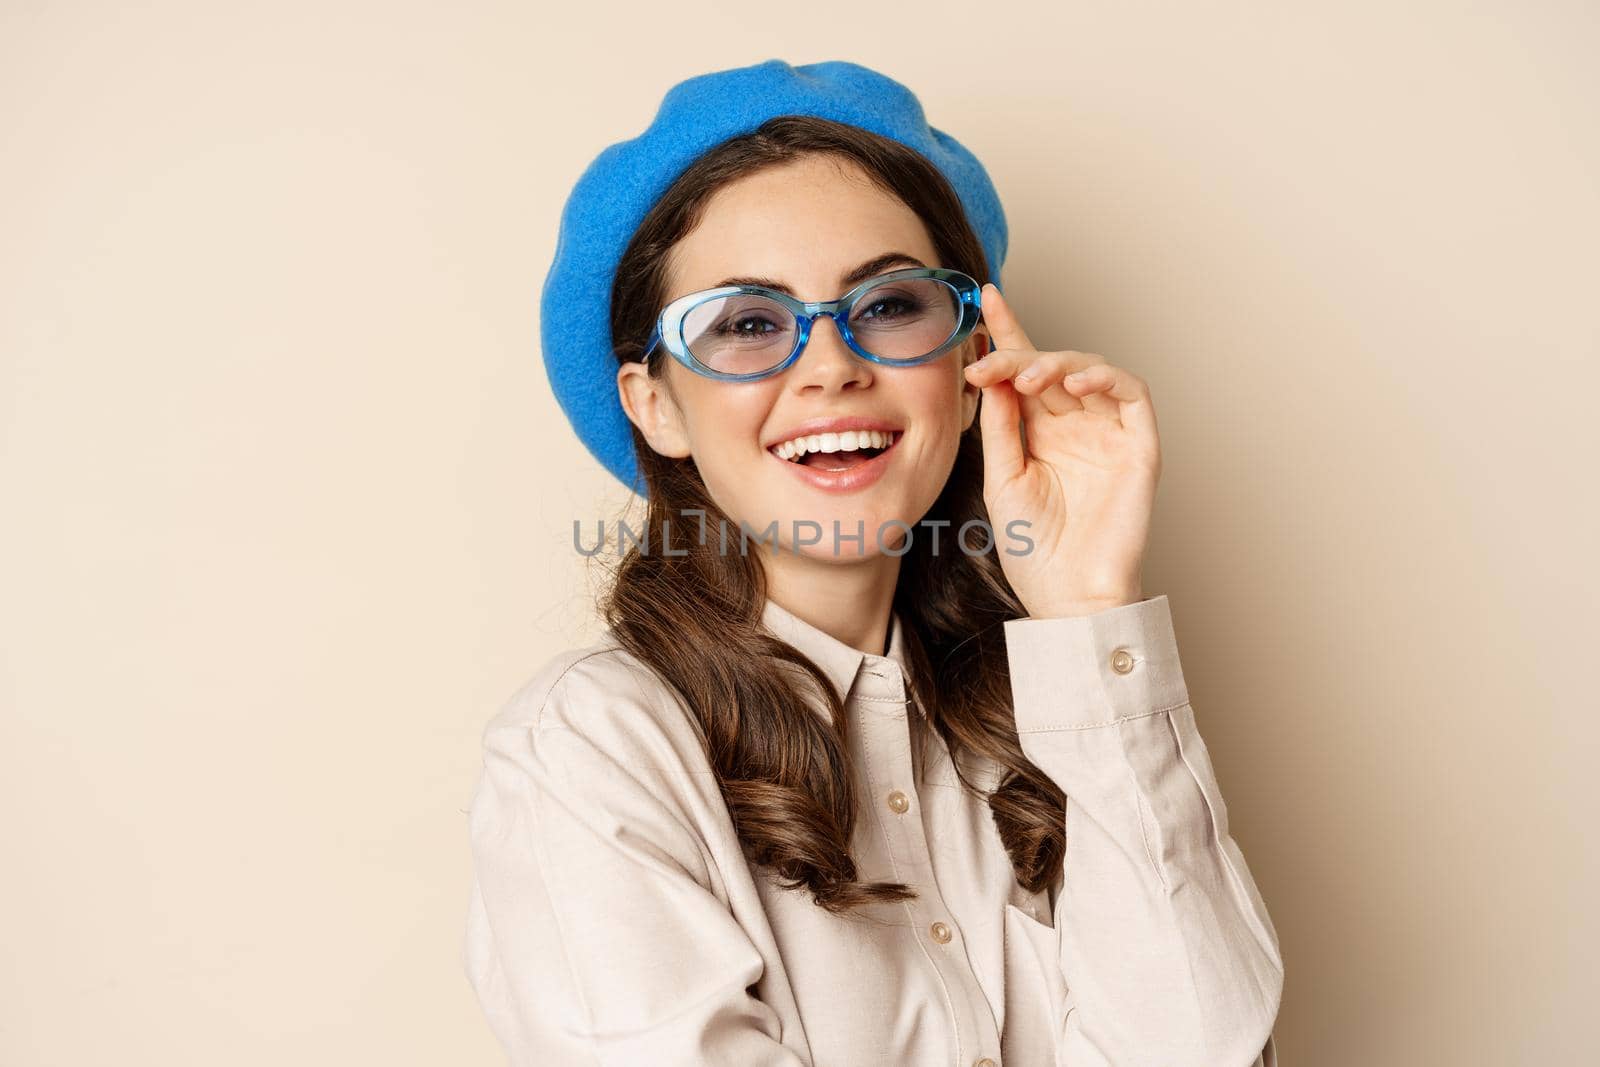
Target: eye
[(888, 307), (740, 326)]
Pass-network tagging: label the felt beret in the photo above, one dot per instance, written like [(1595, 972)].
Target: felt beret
[(622, 184)]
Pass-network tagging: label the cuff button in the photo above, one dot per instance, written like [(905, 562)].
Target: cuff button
[(1122, 661)]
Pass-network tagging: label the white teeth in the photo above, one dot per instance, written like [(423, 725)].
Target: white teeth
[(845, 441)]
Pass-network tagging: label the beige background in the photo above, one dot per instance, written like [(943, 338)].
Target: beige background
[(288, 502)]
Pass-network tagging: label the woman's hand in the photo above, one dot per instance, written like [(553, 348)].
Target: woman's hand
[(1082, 472)]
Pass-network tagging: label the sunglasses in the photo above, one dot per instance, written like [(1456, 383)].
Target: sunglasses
[(742, 333)]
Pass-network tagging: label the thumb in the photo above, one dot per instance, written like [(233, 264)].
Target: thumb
[(1000, 417)]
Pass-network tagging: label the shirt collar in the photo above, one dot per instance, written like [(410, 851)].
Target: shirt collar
[(839, 661)]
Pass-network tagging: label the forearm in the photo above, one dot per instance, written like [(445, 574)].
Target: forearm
[(1165, 944)]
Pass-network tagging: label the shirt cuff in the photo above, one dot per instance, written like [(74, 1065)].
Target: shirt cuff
[(1084, 671)]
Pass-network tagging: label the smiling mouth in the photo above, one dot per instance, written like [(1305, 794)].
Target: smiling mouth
[(836, 452)]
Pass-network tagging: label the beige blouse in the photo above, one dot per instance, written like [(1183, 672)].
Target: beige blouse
[(614, 920)]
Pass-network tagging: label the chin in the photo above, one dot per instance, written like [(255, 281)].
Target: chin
[(804, 515), (876, 526)]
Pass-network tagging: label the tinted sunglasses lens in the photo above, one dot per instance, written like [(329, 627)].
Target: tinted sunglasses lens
[(742, 334), (906, 319)]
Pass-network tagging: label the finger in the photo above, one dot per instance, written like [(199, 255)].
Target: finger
[(999, 415), (1002, 321), (1009, 362), (1093, 402), (1039, 382), (1122, 389), (1057, 401), (999, 364)]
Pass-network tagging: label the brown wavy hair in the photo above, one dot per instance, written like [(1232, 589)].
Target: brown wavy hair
[(694, 618)]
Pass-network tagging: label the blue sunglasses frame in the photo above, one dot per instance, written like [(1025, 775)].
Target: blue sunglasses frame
[(668, 331)]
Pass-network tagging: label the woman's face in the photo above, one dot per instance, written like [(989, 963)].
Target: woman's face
[(808, 225)]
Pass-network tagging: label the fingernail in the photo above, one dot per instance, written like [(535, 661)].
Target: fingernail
[(1077, 376)]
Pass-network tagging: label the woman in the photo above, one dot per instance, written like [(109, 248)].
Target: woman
[(915, 781)]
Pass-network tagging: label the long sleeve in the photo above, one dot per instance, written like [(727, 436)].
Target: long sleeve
[(596, 936), (1166, 950)]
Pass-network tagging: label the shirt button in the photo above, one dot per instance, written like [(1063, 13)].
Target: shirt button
[(1122, 661), (898, 802), (941, 932), (985, 1062)]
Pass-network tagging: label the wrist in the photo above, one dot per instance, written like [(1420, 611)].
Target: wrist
[(1069, 607)]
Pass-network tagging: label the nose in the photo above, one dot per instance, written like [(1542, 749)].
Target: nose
[(827, 361)]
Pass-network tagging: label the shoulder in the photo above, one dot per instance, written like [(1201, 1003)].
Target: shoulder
[(602, 672), (597, 734), (607, 699)]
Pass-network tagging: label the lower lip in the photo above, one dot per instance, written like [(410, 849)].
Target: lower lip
[(846, 481)]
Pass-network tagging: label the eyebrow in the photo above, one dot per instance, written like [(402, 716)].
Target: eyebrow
[(875, 265)]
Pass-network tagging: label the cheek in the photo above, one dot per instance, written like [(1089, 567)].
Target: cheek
[(725, 424), (934, 400)]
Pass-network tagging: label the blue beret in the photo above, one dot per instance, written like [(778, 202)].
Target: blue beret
[(619, 188)]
